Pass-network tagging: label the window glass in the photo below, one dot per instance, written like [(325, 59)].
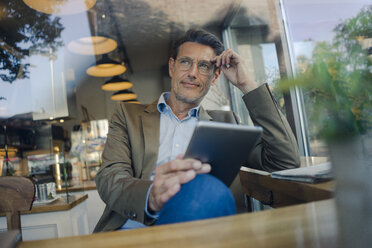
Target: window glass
[(311, 25), (254, 32), (51, 87)]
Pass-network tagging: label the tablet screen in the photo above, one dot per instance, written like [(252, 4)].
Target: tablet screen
[(225, 146)]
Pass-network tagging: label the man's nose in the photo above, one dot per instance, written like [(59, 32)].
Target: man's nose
[(193, 70)]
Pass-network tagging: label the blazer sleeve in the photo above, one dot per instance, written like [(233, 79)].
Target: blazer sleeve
[(116, 184), (277, 149)]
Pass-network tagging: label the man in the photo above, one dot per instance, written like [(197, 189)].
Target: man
[(144, 179)]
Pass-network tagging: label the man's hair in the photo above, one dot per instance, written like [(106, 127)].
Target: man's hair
[(199, 36)]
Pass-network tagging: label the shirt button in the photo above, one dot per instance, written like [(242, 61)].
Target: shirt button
[(177, 145)]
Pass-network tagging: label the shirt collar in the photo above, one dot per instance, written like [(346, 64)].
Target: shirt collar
[(163, 107)]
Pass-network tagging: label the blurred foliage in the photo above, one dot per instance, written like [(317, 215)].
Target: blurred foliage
[(23, 29), (338, 79)]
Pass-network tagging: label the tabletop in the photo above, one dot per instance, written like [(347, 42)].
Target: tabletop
[(305, 225)]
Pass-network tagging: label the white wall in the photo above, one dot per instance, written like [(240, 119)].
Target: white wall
[(148, 85)]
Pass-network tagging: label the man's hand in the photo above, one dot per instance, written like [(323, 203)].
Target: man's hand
[(170, 176), (235, 70)]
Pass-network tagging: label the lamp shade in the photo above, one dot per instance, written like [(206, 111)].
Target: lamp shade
[(123, 95), (106, 67), (92, 45), (60, 7), (117, 83)]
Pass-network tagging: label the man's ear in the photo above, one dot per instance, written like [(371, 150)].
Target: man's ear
[(216, 75), (171, 66)]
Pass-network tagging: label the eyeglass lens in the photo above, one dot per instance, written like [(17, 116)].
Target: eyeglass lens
[(204, 67)]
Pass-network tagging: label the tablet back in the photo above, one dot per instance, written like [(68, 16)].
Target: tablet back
[(226, 147)]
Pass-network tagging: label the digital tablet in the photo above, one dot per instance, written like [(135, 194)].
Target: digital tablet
[(226, 147)]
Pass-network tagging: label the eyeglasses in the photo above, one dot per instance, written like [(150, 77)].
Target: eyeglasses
[(204, 67)]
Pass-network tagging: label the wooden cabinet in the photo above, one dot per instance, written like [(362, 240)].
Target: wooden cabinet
[(62, 218)]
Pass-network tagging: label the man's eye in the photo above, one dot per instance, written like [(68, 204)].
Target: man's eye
[(184, 62), (205, 66)]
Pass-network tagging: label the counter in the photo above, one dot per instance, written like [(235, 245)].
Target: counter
[(61, 218), (95, 205)]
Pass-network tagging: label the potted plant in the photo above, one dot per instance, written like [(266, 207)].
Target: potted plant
[(338, 79)]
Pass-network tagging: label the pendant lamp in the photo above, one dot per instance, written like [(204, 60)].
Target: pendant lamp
[(60, 7), (117, 83), (92, 45), (106, 67), (123, 95)]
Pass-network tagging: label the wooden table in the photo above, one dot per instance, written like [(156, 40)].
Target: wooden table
[(278, 192), (304, 225)]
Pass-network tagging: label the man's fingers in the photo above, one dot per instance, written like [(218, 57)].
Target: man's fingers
[(226, 58), (164, 197), (170, 176), (206, 168), (168, 185), (179, 177), (166, 182), (157, 200), (178, 165), (173, 184)]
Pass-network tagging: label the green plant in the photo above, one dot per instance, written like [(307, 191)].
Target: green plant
[(338, 79)]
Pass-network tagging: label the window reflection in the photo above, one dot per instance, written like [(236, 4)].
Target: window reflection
[(255, 34), (311, 25), (30, 34)]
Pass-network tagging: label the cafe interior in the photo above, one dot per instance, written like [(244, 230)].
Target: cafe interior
[(66, 64)]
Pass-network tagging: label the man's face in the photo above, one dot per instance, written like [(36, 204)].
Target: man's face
[(191, 85)]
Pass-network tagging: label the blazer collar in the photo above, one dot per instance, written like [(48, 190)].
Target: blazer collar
[(152, 107)]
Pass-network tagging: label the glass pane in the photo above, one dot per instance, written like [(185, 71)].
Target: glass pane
[(46, 55), (261, 57), (311, 25), (255, 35)]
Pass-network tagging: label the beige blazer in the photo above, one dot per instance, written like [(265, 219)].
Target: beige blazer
[(132, 144)]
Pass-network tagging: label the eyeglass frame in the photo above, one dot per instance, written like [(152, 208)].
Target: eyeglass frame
[(198, 64)]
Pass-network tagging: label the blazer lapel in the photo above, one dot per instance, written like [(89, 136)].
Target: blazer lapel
[(151, 128), (203, 115)]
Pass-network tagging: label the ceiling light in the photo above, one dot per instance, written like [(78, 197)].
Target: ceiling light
[(106, 67), (123, 95), (117, 83), (92, 45), (60, 7)]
